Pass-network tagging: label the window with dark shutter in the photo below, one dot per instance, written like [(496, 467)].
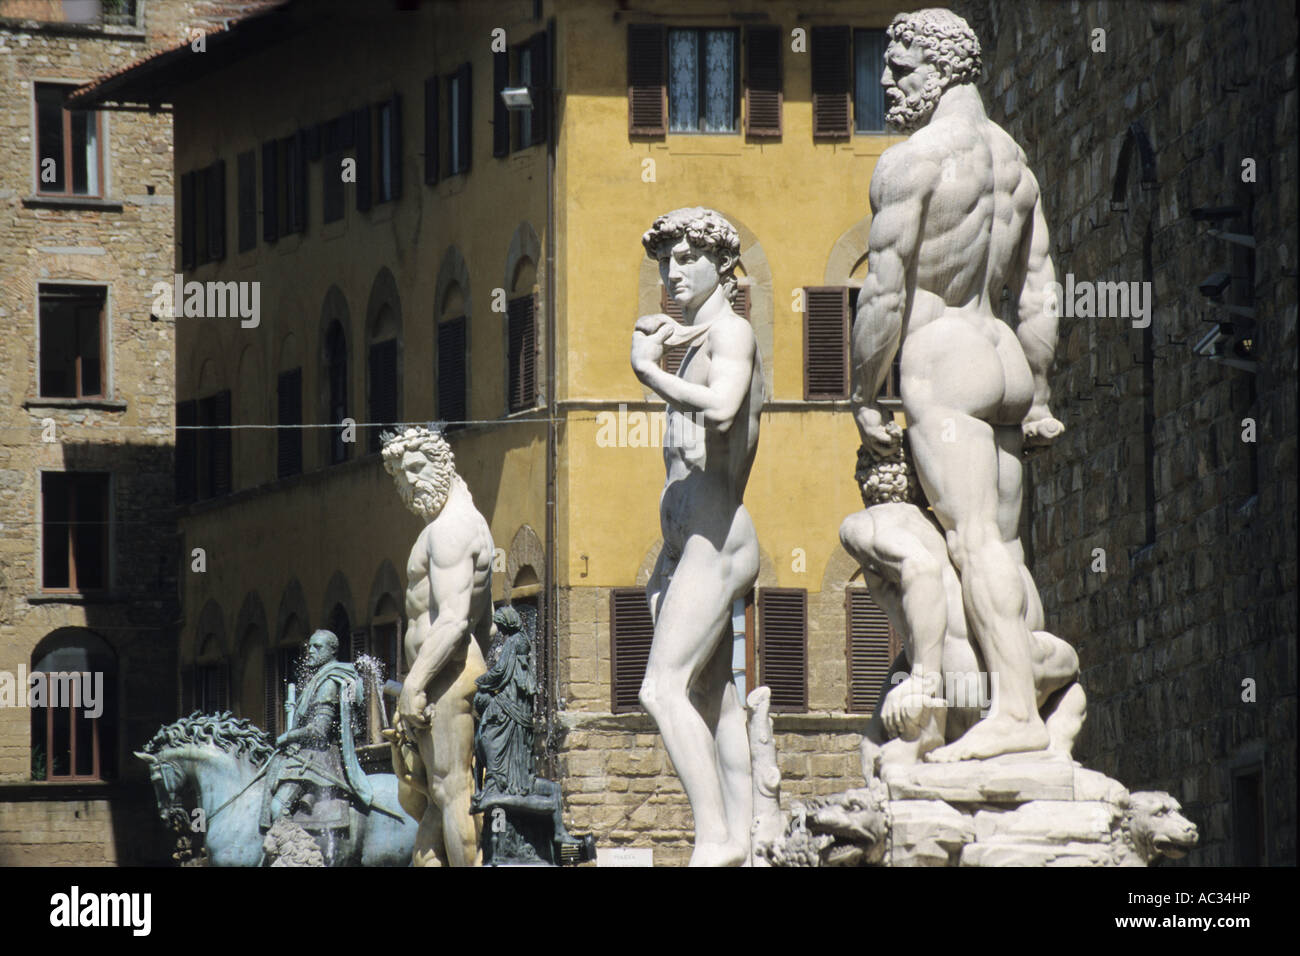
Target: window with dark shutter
[(832, 81), (452, 378), (389, 139), (189, 248), (217, 210), (431, 130), (500, 114), (295, 182), (740, 305), (826, 342), (783, 646), (647, 89), (336, 370), (289, 413), (522, 352), (671, 361), (383, 388), (460, 103), (186, 446), (270, 191), (364, 136), (763, 96), (246, 172), (219, 457), (870, 650), (631, 631)]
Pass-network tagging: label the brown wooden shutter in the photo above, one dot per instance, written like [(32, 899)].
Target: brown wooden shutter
[(289, 413), (870, 650), (216, 196), (826, 342), (631, 631), (832, 81), (763, 96), (500, 114), (452, 377), (431, 130), (364, 136), (673, 355), (742, 301), (220, 443), (270, 191), (783, 646), (188, 245), (383, 388), (395, 143), (522, 352), (246, 173), (539, 85), (186, 450), (647, 89)]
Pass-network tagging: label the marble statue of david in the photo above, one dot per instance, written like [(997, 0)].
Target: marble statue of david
[(710, 550)]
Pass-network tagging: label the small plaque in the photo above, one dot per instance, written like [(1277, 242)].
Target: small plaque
[(625, 856)]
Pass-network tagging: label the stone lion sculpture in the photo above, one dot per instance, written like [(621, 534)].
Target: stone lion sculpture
[(1153, 827)]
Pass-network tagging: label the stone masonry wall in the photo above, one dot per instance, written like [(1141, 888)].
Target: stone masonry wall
[(1172, 629)]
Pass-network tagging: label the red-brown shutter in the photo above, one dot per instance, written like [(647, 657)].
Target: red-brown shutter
[(522, 352), (783, 646), (870, 650), (673, 355), (631, 631), (826, 342), (741, 303), (763, 96), (832, 81), (647, 90)]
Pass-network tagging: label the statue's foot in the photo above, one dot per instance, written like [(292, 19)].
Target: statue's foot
[(719, 854), (1066, 720), (1040, 427), (992, 737)]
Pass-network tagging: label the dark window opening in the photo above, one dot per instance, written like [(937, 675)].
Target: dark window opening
[(74, 531), (72, 341), (68, 145)]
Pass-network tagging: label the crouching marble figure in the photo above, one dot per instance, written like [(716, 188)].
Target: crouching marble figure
[(710, 549), (449, 614)]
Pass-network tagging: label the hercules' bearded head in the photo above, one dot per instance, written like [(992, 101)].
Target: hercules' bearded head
[(421, 463), (929, 51)]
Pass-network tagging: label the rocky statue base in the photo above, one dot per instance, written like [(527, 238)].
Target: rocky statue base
[(1030, 809)]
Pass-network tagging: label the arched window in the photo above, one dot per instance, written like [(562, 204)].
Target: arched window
[(281, 670), (521, 339), (73, 697), (453, 358), (383, 373), (336, 374), (211, 678), (341, 625), (386, 638)]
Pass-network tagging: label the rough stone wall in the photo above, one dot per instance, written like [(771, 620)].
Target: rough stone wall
[(1168, 633), (81, 832)]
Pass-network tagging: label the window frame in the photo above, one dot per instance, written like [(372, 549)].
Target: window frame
[(107, 546), (737, 81), (66, 132), (105, 343)]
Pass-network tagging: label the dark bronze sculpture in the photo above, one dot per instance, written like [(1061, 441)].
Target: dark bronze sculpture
[(524, 813)]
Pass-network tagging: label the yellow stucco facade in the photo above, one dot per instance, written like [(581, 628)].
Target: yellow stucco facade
[(281, 553)]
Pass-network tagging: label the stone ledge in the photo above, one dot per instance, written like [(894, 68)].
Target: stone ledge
[(72, 202), (816, 722), (71, 404)]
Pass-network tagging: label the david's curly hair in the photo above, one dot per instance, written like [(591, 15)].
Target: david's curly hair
[(704, 229)]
